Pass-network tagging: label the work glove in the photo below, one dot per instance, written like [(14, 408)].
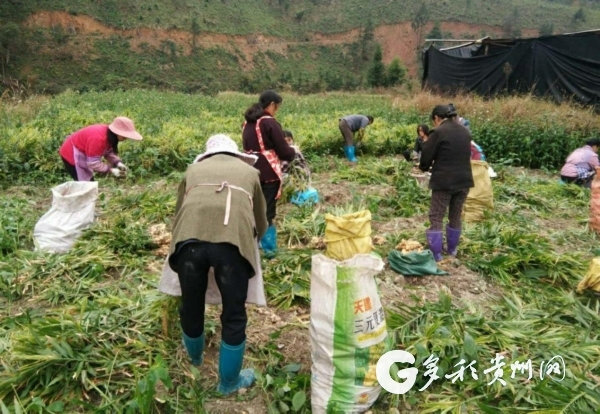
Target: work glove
[(122, 166), (117, 173)]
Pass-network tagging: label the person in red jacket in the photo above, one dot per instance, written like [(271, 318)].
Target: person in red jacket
[(263, 136), (82, 151)]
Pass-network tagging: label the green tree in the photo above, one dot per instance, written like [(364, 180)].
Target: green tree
[(419, 21), (511, 25), (546, 29), (377, 76), (9, 36), (285, 4), (436, 32), (367, 36), (169, 48), (396, 73), (14, 10), (579, 16), (195, 32)]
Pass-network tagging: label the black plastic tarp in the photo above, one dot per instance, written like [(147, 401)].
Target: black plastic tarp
[(563, 67)]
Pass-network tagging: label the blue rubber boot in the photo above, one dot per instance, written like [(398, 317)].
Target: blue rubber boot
[(434, 239), (231, 375), (452, 238), (194, 348), (349, 151), (269, 242)]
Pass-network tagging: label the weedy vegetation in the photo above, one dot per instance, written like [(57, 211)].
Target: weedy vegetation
[(88, 330)]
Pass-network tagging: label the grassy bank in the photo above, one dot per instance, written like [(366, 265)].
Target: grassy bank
[(295, 18)]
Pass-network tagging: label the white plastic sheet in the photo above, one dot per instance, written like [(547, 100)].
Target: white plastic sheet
[(169, 284)]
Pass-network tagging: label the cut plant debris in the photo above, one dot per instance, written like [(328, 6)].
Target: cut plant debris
[(88, 330)]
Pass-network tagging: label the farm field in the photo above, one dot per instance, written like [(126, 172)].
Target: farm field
[(88, 331)]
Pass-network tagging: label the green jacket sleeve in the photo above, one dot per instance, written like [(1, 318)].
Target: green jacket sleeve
[(180, 196), (260, 209)]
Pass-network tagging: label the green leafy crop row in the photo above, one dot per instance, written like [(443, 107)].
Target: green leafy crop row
[(88, 331), (176, 126)]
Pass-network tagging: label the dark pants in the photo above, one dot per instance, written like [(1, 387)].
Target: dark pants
[(583, 182), (440, 202), (232, 273), (71, 170), (346, 132), (270, 192)]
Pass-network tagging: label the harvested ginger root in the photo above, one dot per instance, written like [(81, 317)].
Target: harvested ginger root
[(407, 246)]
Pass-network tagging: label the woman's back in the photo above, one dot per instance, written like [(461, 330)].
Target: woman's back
[(448, 149), (273, 139)]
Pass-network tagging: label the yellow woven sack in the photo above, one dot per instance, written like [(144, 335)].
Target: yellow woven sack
[(348, 235), (592, 278), (481, 197)]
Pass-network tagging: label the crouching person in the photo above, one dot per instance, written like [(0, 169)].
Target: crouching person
[(219, 214)]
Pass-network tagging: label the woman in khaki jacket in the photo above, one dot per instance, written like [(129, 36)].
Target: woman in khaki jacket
[(220, 213)]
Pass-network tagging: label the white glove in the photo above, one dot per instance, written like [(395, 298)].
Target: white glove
[(121, 166), (117, 173)]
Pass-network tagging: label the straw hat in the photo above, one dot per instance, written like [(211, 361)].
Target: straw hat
[(124, 127), (223, 143)]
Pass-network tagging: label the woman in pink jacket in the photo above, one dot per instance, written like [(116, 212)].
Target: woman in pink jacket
[(82, 151), (581, 164)]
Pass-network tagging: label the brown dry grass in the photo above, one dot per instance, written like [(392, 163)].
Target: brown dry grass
[(23, 110), (506, 109)]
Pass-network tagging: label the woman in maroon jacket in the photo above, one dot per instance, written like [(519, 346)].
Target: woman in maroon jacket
[(263, 136)]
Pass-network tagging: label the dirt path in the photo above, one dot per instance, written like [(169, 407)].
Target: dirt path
[(397, 40)]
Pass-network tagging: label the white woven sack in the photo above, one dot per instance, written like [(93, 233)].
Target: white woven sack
[(72, 212)]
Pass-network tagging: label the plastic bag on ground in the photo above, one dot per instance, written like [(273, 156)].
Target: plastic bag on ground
[(348, 235), (414, 263), (348, 333), (481, 196), (72, 211), (592, 278), (308, 196)]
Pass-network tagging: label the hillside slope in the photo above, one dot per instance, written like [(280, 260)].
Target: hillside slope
[(212, 45), (294, 18)]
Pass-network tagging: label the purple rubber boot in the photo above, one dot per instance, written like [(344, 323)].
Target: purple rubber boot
[(452, 238), (434, 239)]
